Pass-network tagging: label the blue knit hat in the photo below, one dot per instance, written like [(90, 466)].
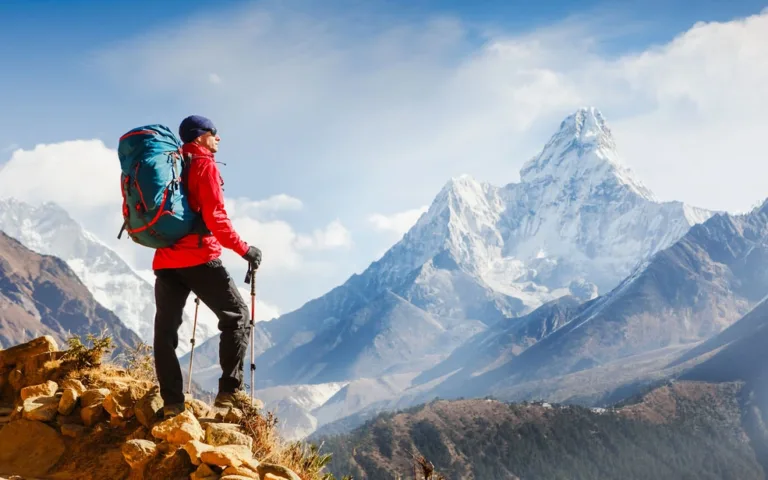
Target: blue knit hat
[(193, 126)]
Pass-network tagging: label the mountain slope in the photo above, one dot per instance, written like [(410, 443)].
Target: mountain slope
[(49, 230), (687, 430), (483, 253), (41, 295), (685, 294)]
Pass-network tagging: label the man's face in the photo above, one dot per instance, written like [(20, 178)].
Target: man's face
[(209, 140)]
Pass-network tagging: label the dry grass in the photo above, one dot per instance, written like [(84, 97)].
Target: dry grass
[(306, 460), (137, 366)]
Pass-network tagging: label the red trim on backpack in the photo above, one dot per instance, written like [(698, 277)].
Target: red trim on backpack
[(138, 188), (159, 214), (138, 132)]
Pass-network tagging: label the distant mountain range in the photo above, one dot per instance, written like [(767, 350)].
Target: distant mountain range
[(41, 295), (574, 284), (48, 229)]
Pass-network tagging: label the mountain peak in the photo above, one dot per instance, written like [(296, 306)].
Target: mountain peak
[(582, 149), (587, 126)]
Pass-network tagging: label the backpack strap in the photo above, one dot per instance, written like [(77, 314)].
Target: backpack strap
[(199, 225)]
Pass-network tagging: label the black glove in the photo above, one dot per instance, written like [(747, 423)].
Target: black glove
[(253, 256)]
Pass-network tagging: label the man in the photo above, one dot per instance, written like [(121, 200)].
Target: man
[(193, 264)]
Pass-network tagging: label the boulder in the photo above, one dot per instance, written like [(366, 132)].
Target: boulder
[(68, 401), (180, 429), (41, 409), (74, 384), (278, 471), (199, 408), (92, 415), (29, 448), (149, 407), (47, 389), (241, 471), (226, 434), (195, 448), (204, 472), (72, 430), (93, 396), (137, 453), (18, 353), (227, 455)]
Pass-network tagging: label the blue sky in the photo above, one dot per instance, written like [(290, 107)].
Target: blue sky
[(341, 120)]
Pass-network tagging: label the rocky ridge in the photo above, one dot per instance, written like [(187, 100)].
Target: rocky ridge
[(65, 414)]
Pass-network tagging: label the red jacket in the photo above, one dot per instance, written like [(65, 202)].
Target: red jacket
[(205, 196)]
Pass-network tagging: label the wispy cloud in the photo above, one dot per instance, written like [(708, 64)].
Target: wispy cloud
[(64, 173), (413, 104), (397, 223)]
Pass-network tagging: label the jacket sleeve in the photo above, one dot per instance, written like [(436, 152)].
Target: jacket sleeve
[(211, 200)]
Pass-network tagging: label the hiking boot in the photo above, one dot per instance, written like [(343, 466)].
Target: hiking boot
[(173, 409), (225, 400)]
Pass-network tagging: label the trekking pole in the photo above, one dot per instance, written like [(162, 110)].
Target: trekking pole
[(192, 342), (250, 277)]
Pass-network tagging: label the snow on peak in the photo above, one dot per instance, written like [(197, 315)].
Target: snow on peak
[(47, 228), (582, 150)]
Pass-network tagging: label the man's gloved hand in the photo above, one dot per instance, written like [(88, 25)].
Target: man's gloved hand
[(253, 256)]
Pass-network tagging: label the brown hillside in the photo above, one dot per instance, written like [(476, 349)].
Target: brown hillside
[(684, 430), (40, 295)]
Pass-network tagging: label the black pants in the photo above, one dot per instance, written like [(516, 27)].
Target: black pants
[(216, 289)]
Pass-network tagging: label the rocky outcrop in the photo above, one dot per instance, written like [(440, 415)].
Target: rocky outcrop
[(60, 421)]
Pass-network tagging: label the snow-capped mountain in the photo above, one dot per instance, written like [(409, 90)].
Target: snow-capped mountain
[(48, 229), (685, 294), (577, 224), (577, 220), (41, 295)]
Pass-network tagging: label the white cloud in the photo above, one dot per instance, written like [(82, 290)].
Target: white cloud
[(411, 105), (73, 174), (398, 223), (274, 203), (334, 235), (213, 78), (59, 173)]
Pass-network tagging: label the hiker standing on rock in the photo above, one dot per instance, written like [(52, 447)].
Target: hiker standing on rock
[(193, 265)]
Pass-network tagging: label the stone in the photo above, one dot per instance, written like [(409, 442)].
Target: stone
[(204, 472), (93, 396), (16, 379), (179, 429), (72, 430), (271, 476), (29, 448), (73, 418), (122, 399), (227, 455), (226, 434), (92, 415), (140, 434), (74, 384), (235, 477), (46, 389), (195, 448), (199, 408), (137, 453), (17, 353), (68, 401), (41, 409), (241, 471), (278, 471), (149, 408)]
